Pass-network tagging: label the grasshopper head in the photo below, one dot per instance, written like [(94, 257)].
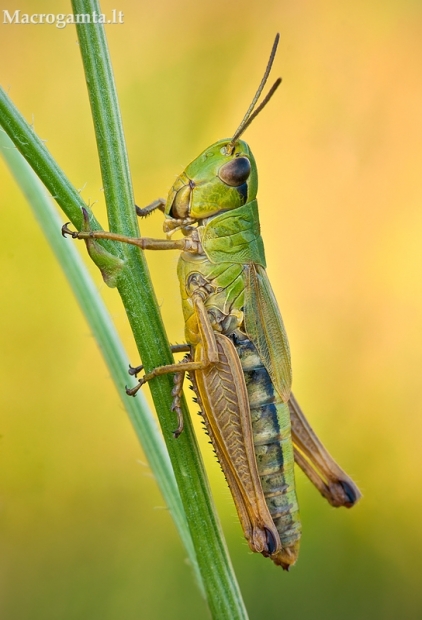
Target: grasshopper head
[(222, 178)]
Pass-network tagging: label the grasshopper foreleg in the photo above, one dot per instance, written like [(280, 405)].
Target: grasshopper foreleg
[(191, 245), (160, 203)]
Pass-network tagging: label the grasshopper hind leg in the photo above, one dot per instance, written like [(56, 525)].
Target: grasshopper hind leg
[(315, 461), (177, 392)]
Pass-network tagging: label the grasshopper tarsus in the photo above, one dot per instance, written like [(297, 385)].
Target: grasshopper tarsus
[(135, 370), (160, 203), (178, 431), (66, 231), (77, 234), (141, 212), (351, 492), (134, 390)]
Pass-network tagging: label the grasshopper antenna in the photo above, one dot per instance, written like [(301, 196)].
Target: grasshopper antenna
[(250, 114)]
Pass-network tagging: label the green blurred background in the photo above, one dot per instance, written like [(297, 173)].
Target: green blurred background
[(84, 533)]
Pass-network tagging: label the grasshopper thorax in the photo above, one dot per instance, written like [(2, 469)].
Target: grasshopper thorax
[(222, 178)]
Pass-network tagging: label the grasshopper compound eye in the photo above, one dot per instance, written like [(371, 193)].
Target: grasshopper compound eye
[(235, 172)]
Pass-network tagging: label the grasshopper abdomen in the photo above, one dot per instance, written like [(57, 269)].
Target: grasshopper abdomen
[(273, 444)]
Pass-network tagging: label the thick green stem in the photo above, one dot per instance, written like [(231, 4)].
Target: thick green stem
[(139, 300)]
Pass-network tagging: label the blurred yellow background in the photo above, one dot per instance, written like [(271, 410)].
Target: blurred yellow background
[(84, 533)]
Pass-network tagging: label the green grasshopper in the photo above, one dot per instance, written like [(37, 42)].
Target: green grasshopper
[(238, 355)]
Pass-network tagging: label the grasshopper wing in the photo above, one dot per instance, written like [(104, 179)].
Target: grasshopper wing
[(264, 327)]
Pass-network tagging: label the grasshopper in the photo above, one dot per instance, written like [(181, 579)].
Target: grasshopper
[(237, 352)]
